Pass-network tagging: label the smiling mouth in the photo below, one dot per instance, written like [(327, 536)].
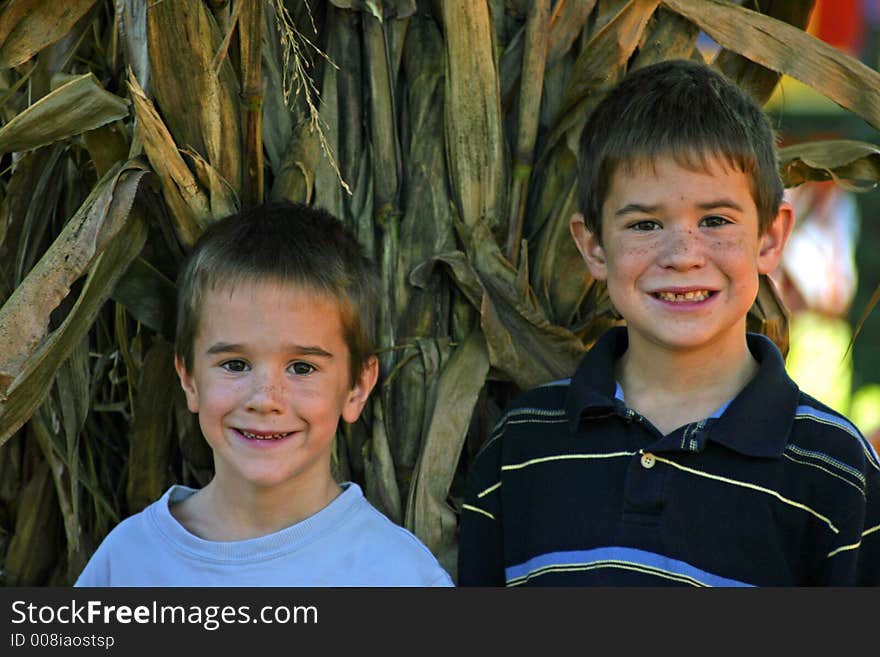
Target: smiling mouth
[(270, 436), (678, 297)]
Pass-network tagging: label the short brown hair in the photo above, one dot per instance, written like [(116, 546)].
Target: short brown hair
[(288, 243), (684, 109)]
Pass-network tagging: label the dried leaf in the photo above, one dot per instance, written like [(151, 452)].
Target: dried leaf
[(472, 112), (32, 551), (426, 225), (28, 26), (183, 39), (133, 36), (149, 296), (842, 160), (190, 206), (559, 274), (786, 49), (566, 24), (380, 9), (379, 471), (75, 107), (528, 114), (328, 193), (149, 439), (600, 65), (222, 199), (277, 120), (250, 40), (295, 174), (428, 513), (30, 386), (768, 315), (668, 36), (24, 318), (754, 78)]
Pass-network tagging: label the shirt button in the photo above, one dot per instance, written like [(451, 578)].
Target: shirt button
[(648, 461)]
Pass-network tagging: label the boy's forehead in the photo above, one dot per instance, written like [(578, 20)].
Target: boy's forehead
[(221, 301), (624, 175)]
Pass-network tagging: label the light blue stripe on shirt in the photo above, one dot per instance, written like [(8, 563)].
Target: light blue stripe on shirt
[(618, 557), (828, 417), (838, 421)]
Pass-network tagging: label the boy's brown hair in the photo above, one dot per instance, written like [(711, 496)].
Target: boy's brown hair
[(286, 243), (682, 109)]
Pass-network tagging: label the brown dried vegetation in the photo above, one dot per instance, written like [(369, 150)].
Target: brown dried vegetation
[(442, 133)]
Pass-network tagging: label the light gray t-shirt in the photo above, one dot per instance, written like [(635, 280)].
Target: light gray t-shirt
[(347, 543)]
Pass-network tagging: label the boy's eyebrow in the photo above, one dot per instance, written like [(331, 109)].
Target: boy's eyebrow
[(231, 347), (720, 203), (651, 209), (635, 207), (222, 348), (308, 350)]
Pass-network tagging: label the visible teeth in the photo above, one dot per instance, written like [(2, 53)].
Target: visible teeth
[(253, 436), (698, 295)]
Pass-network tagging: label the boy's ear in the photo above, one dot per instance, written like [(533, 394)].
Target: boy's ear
[(188, 385), (589, 246), (360, 392), (772, 242)]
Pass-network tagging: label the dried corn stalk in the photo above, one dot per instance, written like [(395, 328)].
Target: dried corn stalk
[(443, 134)]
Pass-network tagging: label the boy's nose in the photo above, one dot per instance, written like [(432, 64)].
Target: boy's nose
[(266, 395), (682, 249)]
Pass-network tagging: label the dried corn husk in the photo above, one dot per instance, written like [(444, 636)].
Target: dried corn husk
[(75, 107), (28, 26), (32, 552), (472, 112), (853, 164), (786, 49), (212, 125)]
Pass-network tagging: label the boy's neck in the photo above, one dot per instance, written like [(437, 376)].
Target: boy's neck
[(219, 513), (672, 388)]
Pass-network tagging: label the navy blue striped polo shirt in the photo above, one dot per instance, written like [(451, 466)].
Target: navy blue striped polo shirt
[(573, 488)]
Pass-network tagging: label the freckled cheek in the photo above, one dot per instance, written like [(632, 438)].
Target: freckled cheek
[(735, 255), (628, 263), (224, 397)]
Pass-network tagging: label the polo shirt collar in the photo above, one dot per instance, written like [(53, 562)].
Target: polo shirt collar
[(756, 423), (759, 419), (591, 391)]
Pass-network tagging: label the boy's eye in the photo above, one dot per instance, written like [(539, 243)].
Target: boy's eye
[(644, 225), (234, 365), (301, 368), (715, 221)]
